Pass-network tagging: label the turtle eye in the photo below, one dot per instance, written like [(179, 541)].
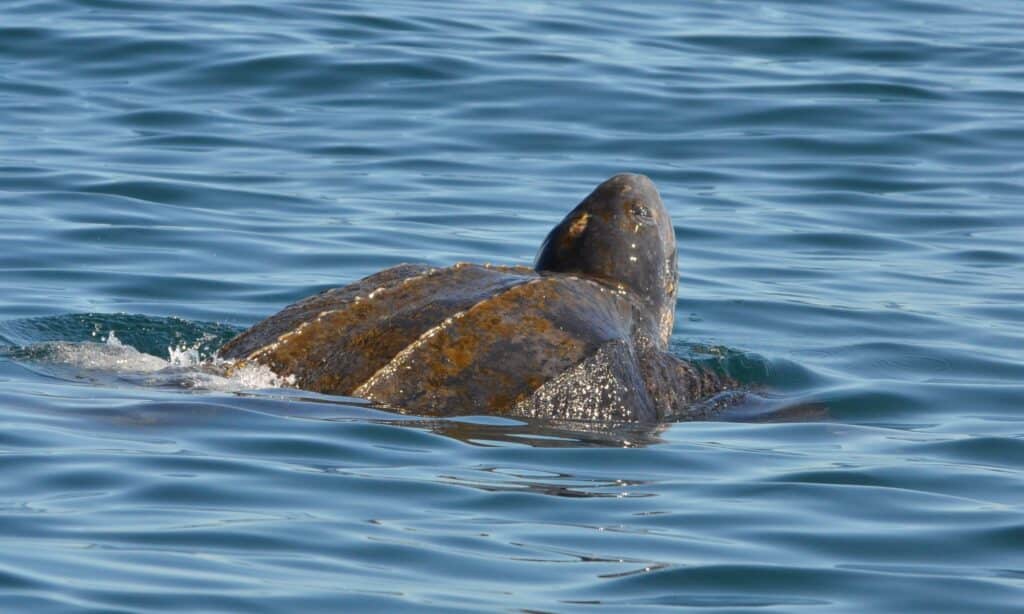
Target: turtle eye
[(640, 210)]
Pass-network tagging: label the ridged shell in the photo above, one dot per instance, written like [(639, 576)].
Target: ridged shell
[(476, 339)]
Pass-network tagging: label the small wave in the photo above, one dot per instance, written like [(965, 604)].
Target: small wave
[(111, 355), (112, 361)]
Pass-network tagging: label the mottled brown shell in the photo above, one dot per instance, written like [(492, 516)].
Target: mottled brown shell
[(472, 339)]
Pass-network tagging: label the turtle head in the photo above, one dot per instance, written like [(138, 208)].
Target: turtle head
[(621, 234)]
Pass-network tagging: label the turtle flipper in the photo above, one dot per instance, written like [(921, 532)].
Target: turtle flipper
[(606, 386), (678, 387)]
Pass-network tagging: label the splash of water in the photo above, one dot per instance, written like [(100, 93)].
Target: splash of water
[(113, 360)]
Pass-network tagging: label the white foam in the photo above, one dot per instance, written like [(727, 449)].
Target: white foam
[(212, 376), (111, 356), (183, 356), (256, 375), (113, 359)]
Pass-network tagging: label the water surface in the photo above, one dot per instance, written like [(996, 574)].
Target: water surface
[(845, 181)]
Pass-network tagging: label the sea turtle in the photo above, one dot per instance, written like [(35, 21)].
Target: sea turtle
[(582, 335)]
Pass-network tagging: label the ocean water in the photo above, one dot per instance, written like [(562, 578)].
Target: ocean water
[(847, 187)]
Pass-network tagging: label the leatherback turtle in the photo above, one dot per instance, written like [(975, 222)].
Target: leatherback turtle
[(582, 335)]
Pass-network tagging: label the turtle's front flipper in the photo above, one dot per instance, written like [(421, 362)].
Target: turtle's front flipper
[(679, 389), (623, 381), (607, 386)]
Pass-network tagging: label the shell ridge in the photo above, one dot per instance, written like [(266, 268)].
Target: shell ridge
[(432, 332), (372, 295), (268, 331)]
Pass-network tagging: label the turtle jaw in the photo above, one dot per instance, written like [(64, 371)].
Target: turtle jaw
[(621, 234)]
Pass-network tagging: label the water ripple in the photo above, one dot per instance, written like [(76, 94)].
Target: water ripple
[(845, 183)]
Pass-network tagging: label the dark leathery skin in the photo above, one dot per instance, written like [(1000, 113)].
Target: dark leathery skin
[(339, 348), (621, 233), (676, 387), (607, 385), (267, 331), (581, 336), (496, 354)]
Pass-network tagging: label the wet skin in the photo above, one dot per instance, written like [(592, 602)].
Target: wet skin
[(622, 235), (581, 336)]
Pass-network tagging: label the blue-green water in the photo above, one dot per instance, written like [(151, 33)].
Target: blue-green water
[(846, 180)]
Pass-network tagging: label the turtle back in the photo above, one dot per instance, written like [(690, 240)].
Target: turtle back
[(457, 340), (492, 357), (582, 335), (336, 340)]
